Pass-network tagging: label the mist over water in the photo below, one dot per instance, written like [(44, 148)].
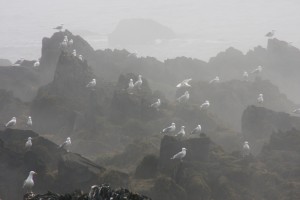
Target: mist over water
[(203, 28)]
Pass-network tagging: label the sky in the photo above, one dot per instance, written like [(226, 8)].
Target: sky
[(204, 28)]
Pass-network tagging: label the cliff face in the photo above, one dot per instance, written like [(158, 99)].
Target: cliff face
[(235, 96), (259, 123)]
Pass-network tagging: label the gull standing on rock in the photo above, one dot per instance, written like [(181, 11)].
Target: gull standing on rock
[(296, 111), (130, 87), (36, 64), (181, 132), (246, 149), (28, 143), (139, 82), (184, 98), (260, 98), (91, 84), (11, 123), (156, 104), (258, 70), (205, 105), (74, 52), (270, 34), (70, 43), (169, 129), (60, 27), (29, 122), (66, 144), (184, 83), (196, 130), (245, 76), (180, 155), (29, 183), (215, 80)]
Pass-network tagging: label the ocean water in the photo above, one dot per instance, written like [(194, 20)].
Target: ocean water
[(204, 27)]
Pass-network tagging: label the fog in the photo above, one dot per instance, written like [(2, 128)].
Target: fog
[(174, 100), (203, 28)]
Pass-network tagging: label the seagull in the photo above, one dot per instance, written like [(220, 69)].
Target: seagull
[(296, 111), (184, 83), (29, 121), (197, 129), (66, 38), (246, 149), (260, 98), (245, 76), (181, 132), (80, 57), (70, 43), (60, 27), (11, 123), (139, 82), (205, 105), (64, 44), (91, 84), (74, 52), (29, 183), (169, 129), (215, 80), (270, 34), (28, 144), (180, 155), (257, 70), (66, 144), (130, 86), (184, 98), (36, 64), (156, 104)]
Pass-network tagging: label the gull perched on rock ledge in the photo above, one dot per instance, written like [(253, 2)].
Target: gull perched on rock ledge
[(156, 104), (11, 123), (184, 83), (169, 129), (29, 183), (180, 155)]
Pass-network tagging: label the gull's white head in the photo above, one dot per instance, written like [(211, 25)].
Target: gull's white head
[(68, 138), (182, 127), (199, 126), (93, 79), (29, 138), (29, 117), (140, 76), (260, 95), (32, 173), (207, 102), (184, 149), (246, 142), (173, 124), (158, 100), (14, 118)]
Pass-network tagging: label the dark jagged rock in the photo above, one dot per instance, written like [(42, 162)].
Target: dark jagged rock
[(24, 82), (139, 31), (259, 123), (55, 167), (97, 192)]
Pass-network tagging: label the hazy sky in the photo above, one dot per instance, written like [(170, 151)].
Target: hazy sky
[(204, 27)]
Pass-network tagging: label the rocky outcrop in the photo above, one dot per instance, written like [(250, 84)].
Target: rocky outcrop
[(259, 123), (58, 170), (97, 192)]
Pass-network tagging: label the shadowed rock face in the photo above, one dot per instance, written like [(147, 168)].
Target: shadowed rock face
[(259, 123), (55, 167)]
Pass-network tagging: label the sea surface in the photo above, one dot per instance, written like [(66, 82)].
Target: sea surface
[(203, 28)]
